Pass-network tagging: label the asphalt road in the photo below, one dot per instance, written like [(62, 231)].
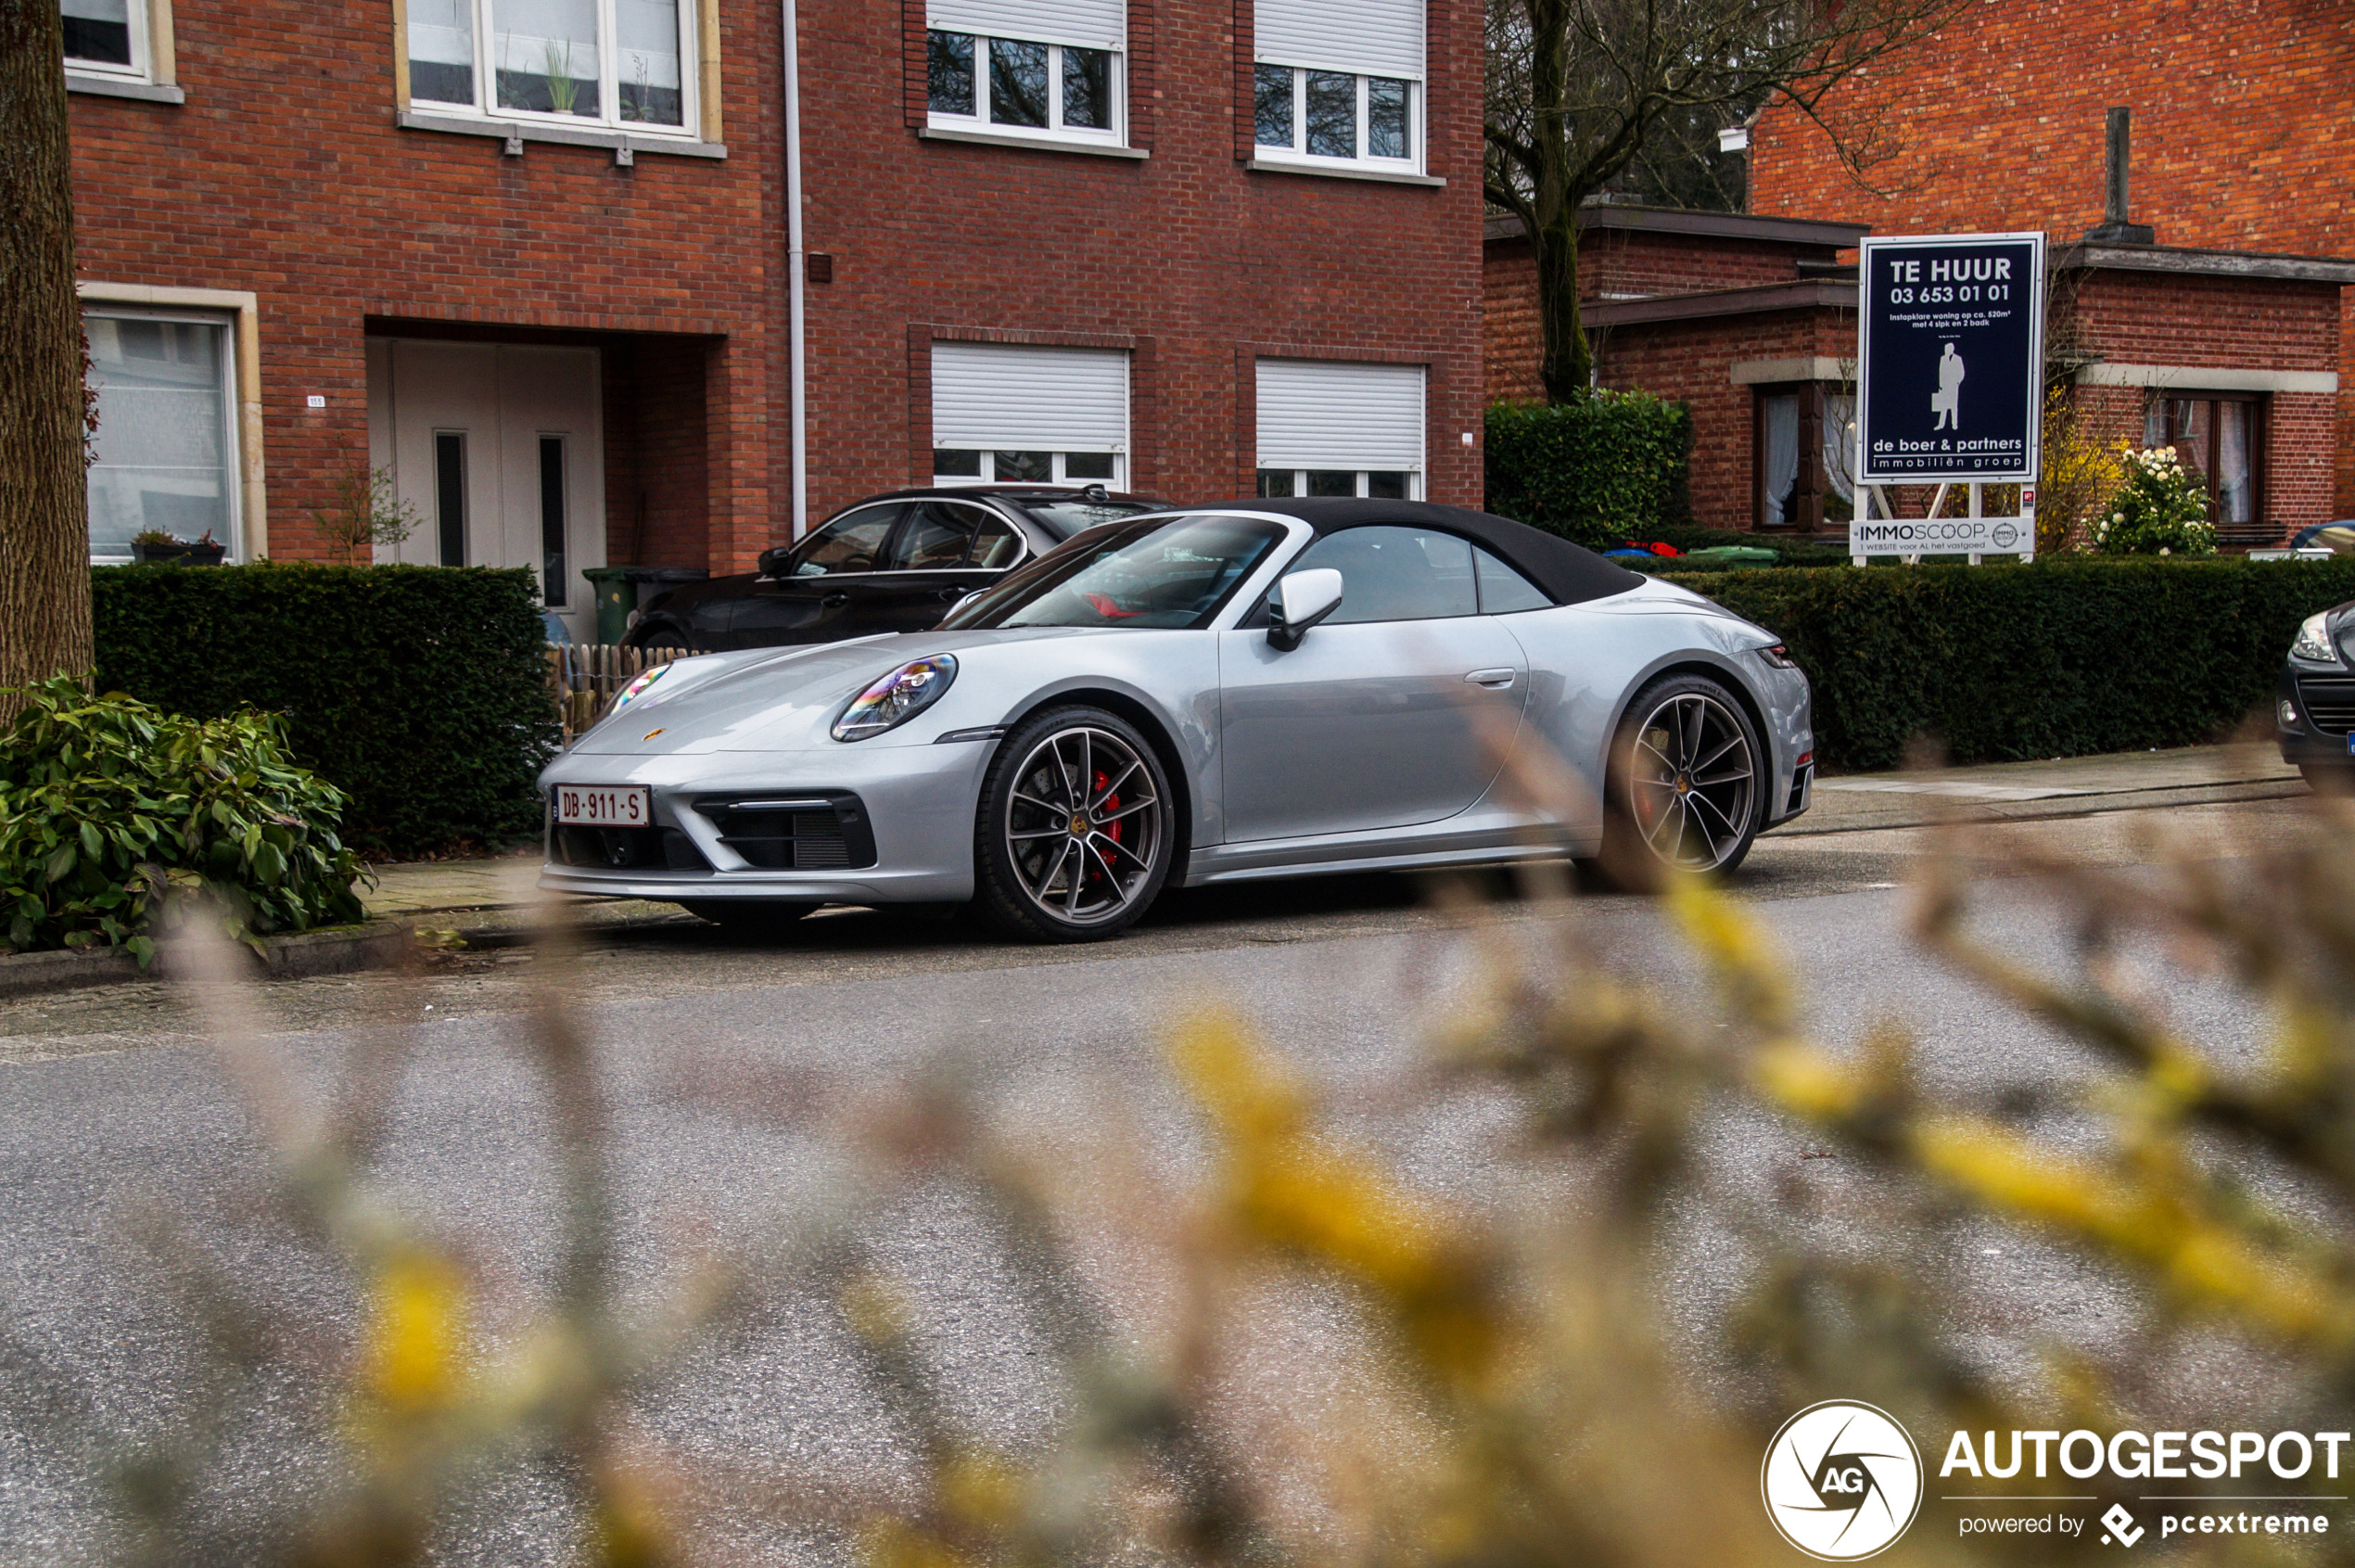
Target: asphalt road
[(732, 1067)]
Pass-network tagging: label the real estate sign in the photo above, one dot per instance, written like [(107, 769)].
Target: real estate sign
[(1950, 371)]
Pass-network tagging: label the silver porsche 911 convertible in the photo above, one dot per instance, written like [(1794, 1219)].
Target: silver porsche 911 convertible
[(1260, 689)]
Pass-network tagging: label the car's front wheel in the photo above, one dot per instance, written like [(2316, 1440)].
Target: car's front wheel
[(1075, 832), (1685, 785), (2329, 778)]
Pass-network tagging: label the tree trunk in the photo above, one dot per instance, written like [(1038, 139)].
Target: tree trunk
[(44, 537), (1565, 365), (1568, 364)]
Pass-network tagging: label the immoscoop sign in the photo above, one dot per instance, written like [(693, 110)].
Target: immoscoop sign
[(1950, 371)]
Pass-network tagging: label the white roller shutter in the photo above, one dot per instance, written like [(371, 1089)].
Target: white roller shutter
[(1371, 37), (1322, 414), (1091, 24), (1004, 396)]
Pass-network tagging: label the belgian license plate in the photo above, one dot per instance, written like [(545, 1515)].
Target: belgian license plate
[(605, 806), (2350, 746)]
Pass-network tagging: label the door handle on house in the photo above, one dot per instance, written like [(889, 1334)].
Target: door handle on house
[(1494, 680)]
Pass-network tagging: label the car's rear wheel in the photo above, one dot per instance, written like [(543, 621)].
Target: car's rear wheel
[(1685, 785), (751, 916), (664, 637), (1075, 832)]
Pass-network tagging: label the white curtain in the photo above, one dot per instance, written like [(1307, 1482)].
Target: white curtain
[(2235, 492), (1840, 461), (1781, 465)]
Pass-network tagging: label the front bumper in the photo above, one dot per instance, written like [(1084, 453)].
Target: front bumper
[(2314, 716), (916, 803)]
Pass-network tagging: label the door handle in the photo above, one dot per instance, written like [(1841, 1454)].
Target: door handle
[(1494, 680), (835, 601), (952, 594)]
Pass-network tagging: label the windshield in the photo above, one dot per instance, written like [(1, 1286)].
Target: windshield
[(1159, 572), (1064, 518)]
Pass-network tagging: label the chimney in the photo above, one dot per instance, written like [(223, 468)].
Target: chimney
[(2115, 227)]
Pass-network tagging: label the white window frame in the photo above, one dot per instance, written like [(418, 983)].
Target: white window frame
[(1300, 480), (1119, 479), (1054, 131), (486, 106), (234, 478), (1298, 155), (143, 60)]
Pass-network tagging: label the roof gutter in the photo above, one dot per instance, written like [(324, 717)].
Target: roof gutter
[(795, 281)]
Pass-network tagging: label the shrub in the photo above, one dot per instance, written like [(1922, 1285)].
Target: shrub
[(1600, 469), (2075, 476), (421, 691), (2160, 510), (106, 802), (2061, 657)]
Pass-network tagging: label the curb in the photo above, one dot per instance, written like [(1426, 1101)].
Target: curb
[(301, 955)]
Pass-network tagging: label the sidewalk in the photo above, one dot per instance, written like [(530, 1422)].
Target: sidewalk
[(2074, 786)]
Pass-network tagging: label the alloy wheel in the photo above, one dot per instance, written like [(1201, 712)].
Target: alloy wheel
[(1691, 781), (1083, 825)]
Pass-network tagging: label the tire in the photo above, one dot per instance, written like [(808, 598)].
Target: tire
[(664, 637), (1037, 880), (750, 916), (2336, 779), (1684, 789)]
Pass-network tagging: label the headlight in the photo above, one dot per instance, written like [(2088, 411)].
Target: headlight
[(1777, 656), (897, 698), (2313, 641), (639, 687)]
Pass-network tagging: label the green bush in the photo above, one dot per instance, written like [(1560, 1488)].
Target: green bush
[(2062, 658), (106, 803), (422, 692), (1600, 469), (2160, 510)]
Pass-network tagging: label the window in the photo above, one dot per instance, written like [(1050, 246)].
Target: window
[(618, 63), (1804, 457), (949, 535), (449, 495), (1047, 69), (1382, 484), (950, 466), (166, 442), (2221, 438), (1014, 414), (1329, 428), (1329, 95), (107, 37), (1397, 574), (853, 543), (1504, 590), (552, 520)]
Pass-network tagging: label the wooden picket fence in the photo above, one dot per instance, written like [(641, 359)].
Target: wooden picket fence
[(586, 676)]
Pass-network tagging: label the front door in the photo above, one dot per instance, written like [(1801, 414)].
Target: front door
[(498, 451)]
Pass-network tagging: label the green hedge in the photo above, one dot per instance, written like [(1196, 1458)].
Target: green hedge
[(2058, 658), (1600, 469), (422, 692)]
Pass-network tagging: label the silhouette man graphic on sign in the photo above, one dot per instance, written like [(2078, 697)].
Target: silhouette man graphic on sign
[(1946, 403)]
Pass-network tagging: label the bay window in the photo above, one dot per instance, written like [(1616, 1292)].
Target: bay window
[(614, 63), (1331, 89), (1048, 70)]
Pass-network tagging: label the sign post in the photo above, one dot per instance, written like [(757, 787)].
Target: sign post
[(1949, 388)]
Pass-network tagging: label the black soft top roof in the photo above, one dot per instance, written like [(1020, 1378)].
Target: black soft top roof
[(1570, 574)]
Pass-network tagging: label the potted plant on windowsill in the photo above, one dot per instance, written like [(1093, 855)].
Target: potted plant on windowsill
[(153, 546)]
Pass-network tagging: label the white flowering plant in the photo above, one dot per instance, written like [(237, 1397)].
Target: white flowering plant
[(2160, 510)]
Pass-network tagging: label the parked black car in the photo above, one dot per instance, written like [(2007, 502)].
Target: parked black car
[(889, 563), (2314, 711)]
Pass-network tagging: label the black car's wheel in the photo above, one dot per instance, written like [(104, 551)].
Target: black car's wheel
[(662, 637), (1074, 834), (751, 916), (2329, 778), (1685, 785)]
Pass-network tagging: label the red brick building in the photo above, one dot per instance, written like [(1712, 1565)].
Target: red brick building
[(2239, 145), (530, 257)]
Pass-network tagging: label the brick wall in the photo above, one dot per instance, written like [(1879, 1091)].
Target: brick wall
[(2240, 111), (1181, 256), (284, 174)]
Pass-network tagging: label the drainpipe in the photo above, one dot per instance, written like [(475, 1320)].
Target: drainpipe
[(795, 281)]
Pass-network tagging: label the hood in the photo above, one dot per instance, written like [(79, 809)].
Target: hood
[(784, 699)]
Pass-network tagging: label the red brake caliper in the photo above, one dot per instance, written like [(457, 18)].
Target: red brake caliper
[(1111, 803)]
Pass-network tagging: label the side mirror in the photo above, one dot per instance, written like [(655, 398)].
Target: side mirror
[(1299, 602), (772, 562)]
